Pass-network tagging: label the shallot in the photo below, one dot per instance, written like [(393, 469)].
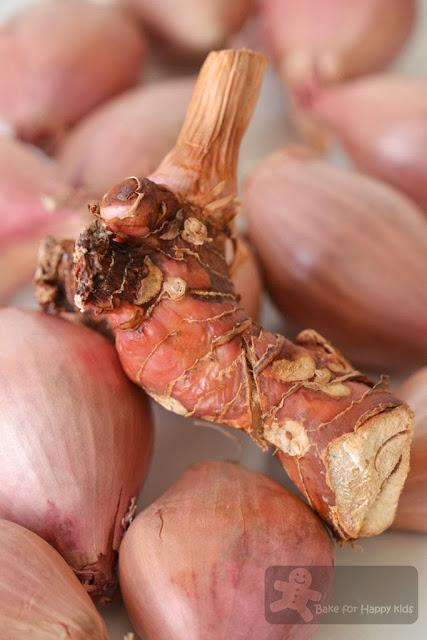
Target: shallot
[(75, 443), (34, 200), (382, 123), (40, 597), (58, 60), (323, 41), (342, 252), (193, 565), (412, 509), (192, 26), (155, 264), (127, 136)]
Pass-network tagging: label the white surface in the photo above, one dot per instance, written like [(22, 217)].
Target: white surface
[(179, 444)]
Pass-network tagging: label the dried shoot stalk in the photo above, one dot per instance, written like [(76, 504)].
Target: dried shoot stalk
[(154, 264)]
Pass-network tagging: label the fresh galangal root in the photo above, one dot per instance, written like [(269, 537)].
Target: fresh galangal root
[(155, 264)]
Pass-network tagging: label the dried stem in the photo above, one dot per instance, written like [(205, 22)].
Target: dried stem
[(202, 167)]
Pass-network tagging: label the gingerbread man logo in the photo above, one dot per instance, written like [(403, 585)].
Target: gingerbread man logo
[(296, 593)]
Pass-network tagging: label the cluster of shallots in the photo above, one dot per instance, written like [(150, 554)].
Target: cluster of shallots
[(154, 295), (75, 447), (345, 249)]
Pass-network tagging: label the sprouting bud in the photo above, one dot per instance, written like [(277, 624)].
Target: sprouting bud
[(138, 203)]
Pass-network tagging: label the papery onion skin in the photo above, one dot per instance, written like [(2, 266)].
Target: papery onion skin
[(344, 254), (193, 564), (192, 26), (40, 597), (317, 42), (127, 136), (67, 57), (76, 440), (382, 123), (35, 200), (412, 509)]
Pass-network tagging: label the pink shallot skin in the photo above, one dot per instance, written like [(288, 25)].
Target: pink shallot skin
[(194, 564), (35, 200), (127, 135), (40, 597), (59, 60), (77, 441), (381, 121), (320, 42)]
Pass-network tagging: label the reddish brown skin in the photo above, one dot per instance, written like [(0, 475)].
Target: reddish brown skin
[(203, 550), (201, 355)]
